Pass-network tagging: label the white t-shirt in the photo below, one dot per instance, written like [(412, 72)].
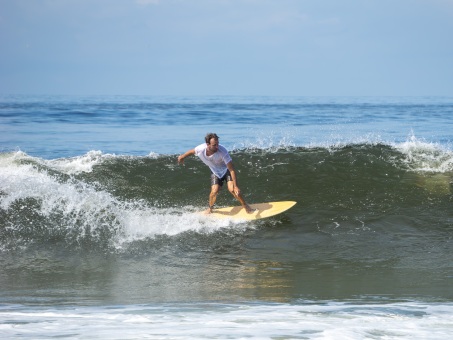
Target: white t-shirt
[(216, 162)]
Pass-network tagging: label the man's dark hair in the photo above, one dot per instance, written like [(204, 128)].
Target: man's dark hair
[(210, 136)]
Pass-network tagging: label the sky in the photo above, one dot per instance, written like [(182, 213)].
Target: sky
[(227, 47)]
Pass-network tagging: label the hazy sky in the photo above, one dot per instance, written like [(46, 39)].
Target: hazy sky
[(227, 47)]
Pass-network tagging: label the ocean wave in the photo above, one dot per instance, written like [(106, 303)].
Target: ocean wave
[(112, 200), (37, 204)]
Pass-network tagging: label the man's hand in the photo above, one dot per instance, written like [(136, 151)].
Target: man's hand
[(188, 153)]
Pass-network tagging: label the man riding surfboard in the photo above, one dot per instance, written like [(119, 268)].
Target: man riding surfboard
[(217, 158)]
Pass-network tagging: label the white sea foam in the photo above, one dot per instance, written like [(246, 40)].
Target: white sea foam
[(73, 165), (330, 320), (78, 164), (424, 156)]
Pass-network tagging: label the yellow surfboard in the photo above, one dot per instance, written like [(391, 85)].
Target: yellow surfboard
[(262, 210)]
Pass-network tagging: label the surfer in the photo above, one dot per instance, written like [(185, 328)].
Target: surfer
[(217, 158)]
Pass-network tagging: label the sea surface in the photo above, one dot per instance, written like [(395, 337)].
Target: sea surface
[(100, 236)]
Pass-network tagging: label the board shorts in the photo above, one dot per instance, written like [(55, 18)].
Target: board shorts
[(216, 180)]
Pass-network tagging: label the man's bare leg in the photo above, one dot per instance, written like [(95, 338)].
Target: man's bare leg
[(212, 197), (240, 198)]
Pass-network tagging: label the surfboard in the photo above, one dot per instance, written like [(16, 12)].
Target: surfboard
[(262, 210)]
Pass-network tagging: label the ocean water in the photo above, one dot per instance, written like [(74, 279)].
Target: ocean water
[(99, 236)]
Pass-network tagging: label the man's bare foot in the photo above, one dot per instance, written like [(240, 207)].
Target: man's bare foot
[(249, 209), (207, 211)]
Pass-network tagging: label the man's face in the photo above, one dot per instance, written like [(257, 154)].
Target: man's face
[(213, 145)]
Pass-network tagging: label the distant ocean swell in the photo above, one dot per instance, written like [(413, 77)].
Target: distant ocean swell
[(107, 202)]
